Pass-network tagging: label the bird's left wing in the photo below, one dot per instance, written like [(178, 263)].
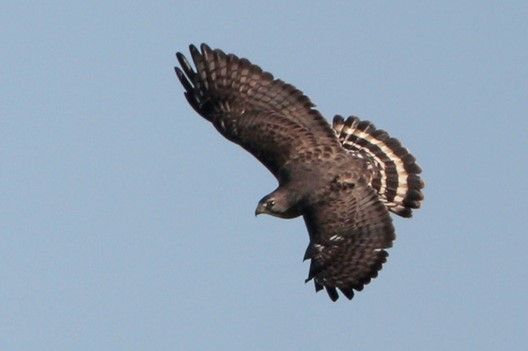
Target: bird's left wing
[(349, 230)]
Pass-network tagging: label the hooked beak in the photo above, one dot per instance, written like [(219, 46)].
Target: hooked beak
[(260, 209)]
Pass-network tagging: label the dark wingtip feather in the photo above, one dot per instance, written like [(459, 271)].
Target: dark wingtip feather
[(183, 79), (187, 68), (206, 51), (192, 48), (195, 54), (332, 292), (204, 47), (178, 71), (348, 292)]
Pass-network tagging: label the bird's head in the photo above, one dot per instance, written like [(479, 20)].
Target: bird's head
[(277, 204)]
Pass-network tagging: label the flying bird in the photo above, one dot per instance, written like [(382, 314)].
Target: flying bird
[(342, 179)]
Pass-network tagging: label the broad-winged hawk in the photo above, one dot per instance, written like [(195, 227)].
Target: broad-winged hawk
[(343, 179)]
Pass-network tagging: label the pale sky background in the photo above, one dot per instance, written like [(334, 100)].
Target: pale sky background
[(127, 221)]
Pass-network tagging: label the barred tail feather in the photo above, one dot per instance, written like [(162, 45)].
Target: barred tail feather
[(396, 174)]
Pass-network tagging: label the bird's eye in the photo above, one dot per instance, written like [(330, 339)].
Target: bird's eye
[(270, 203)]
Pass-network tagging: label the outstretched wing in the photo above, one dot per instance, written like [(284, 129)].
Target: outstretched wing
[(349, 231), (268, 117)]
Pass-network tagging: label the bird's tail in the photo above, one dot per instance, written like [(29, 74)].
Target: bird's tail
[(396, 174)]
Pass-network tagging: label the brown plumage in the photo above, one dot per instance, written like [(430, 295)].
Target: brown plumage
[(343, 180)]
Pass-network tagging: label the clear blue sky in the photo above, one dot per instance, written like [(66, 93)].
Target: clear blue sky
[(127, 221)]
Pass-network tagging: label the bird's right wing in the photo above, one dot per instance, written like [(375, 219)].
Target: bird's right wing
[(268, 117)]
